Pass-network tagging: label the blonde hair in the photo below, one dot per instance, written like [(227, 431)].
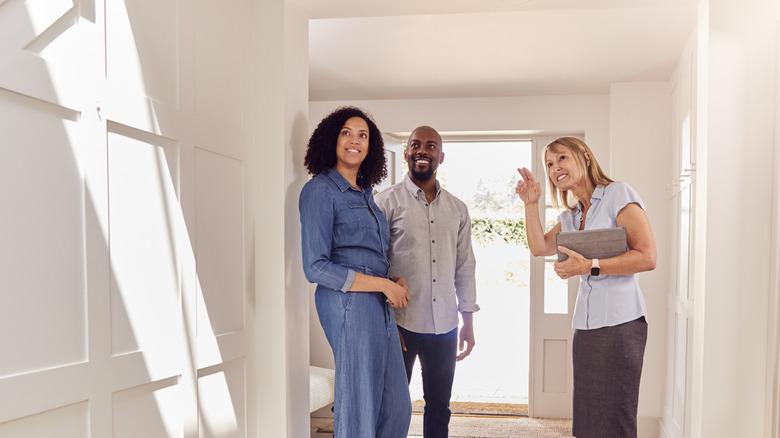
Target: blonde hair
[(578, 148)]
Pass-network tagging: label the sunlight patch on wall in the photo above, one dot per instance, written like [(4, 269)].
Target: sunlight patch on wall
[(218, 416)]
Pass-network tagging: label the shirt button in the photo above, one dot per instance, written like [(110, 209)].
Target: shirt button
[(434, 280), (433, 241), (434, 299), (434, 260), (431, 221)]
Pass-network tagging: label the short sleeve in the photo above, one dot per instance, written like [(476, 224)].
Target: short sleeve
[(567, 219), (620, 195)]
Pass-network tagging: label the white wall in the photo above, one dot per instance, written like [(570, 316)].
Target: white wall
[(772, 419), (296, 50), (641, 152), (549, 114), (735, 171), (627, 130), (281, 306)]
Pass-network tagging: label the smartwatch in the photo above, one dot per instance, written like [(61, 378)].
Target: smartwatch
[(594, 267)]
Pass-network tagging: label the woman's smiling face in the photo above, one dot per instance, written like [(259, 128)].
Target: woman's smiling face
[(352, 144), (562, 166)]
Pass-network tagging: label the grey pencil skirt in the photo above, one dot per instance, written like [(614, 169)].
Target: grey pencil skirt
[(607, 369)]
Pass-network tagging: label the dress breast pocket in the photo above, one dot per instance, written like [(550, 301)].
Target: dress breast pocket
[(362, 216), (355, 216)]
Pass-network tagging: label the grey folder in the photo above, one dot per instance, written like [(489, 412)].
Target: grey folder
[(593, 244)]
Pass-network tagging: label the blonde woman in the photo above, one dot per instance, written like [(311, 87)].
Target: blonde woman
[(610, 327)]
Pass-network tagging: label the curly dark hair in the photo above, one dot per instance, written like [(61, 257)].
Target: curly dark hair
[(321, 150)]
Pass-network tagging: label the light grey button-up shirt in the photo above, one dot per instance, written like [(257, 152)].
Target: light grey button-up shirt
[(430, 246)]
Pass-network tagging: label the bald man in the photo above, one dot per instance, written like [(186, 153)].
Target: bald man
[(430, 246)]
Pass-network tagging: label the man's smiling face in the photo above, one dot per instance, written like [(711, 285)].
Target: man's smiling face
[(423, 153)]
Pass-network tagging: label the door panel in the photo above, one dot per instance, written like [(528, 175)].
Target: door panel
[(145, 292), (555, 366), (677, 415), (45, 237), (158, 403), (219, 234), (222, 387), (218, 60), (69, 421)]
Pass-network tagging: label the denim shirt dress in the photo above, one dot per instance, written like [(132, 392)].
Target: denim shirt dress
[(343, 232)]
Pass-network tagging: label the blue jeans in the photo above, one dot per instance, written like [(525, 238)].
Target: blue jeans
[(437, 362), (371, 392)]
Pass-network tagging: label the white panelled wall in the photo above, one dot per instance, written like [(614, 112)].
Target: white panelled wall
[(144, 219)]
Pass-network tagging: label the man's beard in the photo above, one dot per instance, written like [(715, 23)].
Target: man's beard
[(423, 176)]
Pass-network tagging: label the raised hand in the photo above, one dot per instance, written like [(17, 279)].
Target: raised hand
[(528, 188)]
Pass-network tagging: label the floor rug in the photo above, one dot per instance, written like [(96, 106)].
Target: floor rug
[(473, 426), (479, 408)]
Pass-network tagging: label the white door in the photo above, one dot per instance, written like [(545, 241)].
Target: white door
[(122, 219), (552, 306), (680, 309)]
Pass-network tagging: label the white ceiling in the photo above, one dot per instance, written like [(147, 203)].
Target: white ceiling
[(388, 49)]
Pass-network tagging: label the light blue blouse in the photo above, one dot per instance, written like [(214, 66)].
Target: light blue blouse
[(605, 300)]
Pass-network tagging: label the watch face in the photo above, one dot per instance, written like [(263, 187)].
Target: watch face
[(594, 271)]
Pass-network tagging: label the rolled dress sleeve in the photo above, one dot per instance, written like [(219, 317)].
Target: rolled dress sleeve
[(316, 207)]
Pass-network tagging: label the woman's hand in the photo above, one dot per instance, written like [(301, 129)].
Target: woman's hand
[(401, 281), (576, 264), (528, 188), (397, 292)]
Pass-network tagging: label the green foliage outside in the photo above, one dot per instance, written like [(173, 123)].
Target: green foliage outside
[(485, 230)]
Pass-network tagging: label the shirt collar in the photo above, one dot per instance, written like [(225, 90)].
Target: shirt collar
[(414, 190), (340, 181), (598, 193)]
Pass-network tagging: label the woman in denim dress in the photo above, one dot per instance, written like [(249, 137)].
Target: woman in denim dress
[(345, 238)]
